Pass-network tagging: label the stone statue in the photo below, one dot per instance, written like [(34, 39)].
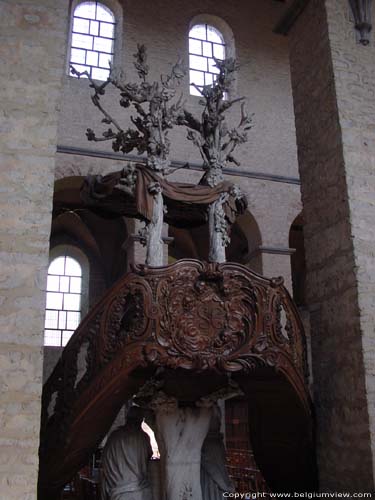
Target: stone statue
[(214, 476), (125, 462)]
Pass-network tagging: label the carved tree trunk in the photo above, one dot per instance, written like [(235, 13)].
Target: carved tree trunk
[(180, 433), (154, 256), (218, 236)]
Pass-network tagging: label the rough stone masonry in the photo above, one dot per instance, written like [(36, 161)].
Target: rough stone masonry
[(32, 54)]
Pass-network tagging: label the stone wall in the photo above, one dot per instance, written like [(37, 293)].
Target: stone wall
[(33, 41), (330, 86), (354, 68)]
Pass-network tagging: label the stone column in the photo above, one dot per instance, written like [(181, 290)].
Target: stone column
[(333, 81), (33, 54)]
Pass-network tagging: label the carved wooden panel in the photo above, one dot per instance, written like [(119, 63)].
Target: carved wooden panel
[(191, 315)]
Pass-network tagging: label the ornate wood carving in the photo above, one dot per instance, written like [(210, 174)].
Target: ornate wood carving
[(192, 315)]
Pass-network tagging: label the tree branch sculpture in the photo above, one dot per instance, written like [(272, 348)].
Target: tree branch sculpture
[(216, 143), (155, 117), (156, 114)]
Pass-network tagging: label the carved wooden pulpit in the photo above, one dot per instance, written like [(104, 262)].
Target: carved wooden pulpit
[(192, 326)]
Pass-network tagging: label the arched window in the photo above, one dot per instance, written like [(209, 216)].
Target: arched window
[(205, 43), (63, 306), (92, 39)]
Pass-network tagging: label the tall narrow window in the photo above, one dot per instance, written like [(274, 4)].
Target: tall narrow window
[(63, 308), (92, 42), (205, 43)]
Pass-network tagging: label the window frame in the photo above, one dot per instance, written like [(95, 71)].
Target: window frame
[(203, 55), (76, 254), (116, 10), (227, 35)]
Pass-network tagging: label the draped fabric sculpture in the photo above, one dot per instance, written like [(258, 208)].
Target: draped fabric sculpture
[(125, 462), (156, 115), (214, 475)]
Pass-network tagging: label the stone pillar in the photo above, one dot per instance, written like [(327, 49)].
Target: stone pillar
[(32, 53), (333, 81)]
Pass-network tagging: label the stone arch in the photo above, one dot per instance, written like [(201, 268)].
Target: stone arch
[(250, 228), (244, 247), (100, 238)]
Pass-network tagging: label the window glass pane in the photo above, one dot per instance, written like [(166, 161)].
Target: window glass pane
[(198, 31), (106, 30), (72, 302), (51, 319), (82, 41), (100, 74), (78, 56), (213, 35), (197, 77), (52, 283), (207, 49), (102, 45), (104, 14), (72, 268), (209, 79), (66, 337), (64, 284), (52, 337), (73, 320), (195, 47), (81, 25), (219, 51), (57, 266), (75, 285), (54, 300), (62, 320), (86, 9), (94, 28), (197, 62), (92, 58), (104, 60)]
